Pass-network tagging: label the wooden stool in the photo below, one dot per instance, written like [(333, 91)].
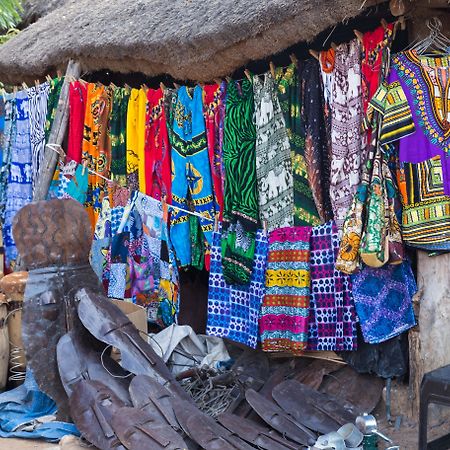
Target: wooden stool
[(435, 388)]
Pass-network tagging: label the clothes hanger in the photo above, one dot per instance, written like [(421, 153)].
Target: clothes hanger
[(435, 43)]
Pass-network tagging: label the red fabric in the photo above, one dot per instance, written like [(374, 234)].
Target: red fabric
[(374, 42), (157, 148), (213, 111), (77, 108)]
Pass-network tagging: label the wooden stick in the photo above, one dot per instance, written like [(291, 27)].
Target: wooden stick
[(294, 59), (272, 69), (314, 53), (358, 35), (57, 133), (248, 74)]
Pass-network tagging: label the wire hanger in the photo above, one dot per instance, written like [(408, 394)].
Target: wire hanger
[(435, 43)]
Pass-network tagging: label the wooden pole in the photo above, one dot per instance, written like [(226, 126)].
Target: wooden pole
[(57, 133)]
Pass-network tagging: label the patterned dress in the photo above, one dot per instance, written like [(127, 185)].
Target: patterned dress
[(346, 134), (240, 214), (37, 99), (289, 95), (97, 145), (285, 309), (157, 148), (273, 159), (191, 175), (214, 97), (332, 317), (77, 110), (119, 135), (233, 310)]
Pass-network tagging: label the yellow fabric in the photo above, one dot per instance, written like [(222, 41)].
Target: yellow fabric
[(140, 127)]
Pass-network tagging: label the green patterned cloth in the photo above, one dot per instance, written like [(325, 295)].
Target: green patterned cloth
[(118, 126), (240, 215), (52, 105), (289, 95)]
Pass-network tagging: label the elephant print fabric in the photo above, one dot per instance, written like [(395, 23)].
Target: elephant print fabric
[(273, 157), (19, 186), (346, 121)]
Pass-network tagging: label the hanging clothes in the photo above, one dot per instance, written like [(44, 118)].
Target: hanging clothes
[(214, 98), (289, 95), (273, 159), (118, 134), (97, 145), (346, 135), (316, 142), (170, 100), (332, 317), (135, 139), (77, 110), (240, 214), (233, 310), (423, 155), (285, 308), (19, 182), (157, 148), (191, 175), (374, 59), (52, 106), (383, 300), (37, 100)]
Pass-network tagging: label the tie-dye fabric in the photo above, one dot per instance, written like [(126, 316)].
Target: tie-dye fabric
[(383, 300), (332, 317), (233, 310), (285, 309)]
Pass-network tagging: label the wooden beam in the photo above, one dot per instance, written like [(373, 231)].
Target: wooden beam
[(57, 133)]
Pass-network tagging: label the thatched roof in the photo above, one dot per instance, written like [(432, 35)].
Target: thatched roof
[(187, 39), (35, 9)]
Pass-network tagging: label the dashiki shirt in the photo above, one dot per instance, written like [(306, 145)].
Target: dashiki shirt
[(273, 158), (332, 317), (289, 95), (346, 134), (285, 309), (233, 310), (240, 214), (383, 301), (424, 174)]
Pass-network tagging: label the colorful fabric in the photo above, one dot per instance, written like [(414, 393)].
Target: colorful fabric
[(97, 145), (375, 60), (240, 214), (118, 132), (233, 310), (37, 101), (214, 97), (19, 184), (316, 142), (383, 301), (157, 148), (191, 175), (53, 100), (135, 139), (285, 308), (78, 186), (5, 144), (332, 317), (273, 159), (289, 95), (77, 110), (346, 134)]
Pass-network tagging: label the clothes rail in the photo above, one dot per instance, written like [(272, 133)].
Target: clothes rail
[(58, 149)]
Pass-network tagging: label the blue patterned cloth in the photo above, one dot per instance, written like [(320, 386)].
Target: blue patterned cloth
[(383, 301), (233, 311), (19, 187)]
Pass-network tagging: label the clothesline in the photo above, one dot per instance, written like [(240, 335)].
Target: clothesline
[(58, 149)]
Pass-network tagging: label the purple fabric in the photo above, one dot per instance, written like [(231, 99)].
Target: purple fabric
[(417, 147), (332, 318)]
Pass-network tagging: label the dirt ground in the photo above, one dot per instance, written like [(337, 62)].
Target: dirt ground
[(406, 437)]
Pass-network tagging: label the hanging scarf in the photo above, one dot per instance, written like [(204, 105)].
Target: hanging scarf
[(77, 110)]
